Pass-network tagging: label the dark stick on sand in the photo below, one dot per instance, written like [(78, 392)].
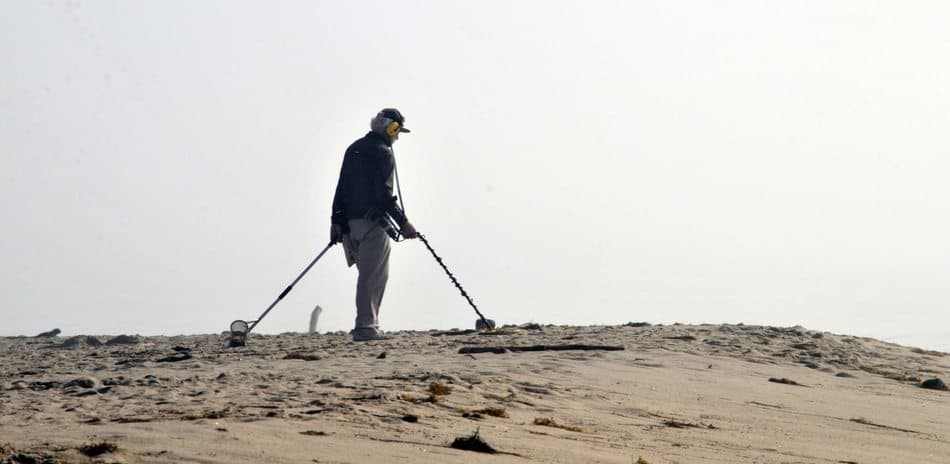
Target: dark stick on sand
[(505, 349)]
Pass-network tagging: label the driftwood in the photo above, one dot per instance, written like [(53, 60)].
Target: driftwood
[(505, 349), (175, 358), (498, 331), (785, 381), (50, 334), (450, 333)]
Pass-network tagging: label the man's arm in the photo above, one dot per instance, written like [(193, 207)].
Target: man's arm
[(338, 221)]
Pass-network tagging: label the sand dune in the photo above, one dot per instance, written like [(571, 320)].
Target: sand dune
[(674, 394)]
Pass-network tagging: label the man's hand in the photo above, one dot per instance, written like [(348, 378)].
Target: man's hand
[(409, 231), (336, 233)]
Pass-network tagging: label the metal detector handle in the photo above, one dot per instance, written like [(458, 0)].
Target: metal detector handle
[(291, 286), (391, 228)]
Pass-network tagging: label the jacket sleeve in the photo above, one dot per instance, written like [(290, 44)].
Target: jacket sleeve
[(383, 188), (338, 211)]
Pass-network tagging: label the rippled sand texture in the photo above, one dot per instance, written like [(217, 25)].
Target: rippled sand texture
[(674, 394)]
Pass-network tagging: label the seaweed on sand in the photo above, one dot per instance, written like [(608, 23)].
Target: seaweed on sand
[(95, 448), (548, 422), (473, 443)]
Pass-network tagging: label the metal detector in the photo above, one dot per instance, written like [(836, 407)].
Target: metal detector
[(240, 328), (395, 232), (483, 323)]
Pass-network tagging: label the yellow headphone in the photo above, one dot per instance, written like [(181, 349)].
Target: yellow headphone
[(393, 128)]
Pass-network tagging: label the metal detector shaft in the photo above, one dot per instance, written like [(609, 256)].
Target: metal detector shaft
[(454, 281), (290, 287)]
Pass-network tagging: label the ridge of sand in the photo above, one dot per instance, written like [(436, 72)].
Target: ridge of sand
[(676, 394)]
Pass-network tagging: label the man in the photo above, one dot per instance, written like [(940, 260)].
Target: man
[(364, 196)]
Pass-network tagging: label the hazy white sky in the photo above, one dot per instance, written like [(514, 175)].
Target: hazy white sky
[(168, 167)]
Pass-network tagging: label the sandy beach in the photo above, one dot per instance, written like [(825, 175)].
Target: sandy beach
[(659, 394)]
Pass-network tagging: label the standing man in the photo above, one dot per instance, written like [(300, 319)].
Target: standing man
[(364, 196)]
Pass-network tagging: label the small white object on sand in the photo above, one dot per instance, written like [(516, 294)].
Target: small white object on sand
[(314, 317)]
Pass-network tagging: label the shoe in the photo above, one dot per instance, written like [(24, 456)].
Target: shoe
[(366, 334)]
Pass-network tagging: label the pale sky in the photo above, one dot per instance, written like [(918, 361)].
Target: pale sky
[(168, 167)]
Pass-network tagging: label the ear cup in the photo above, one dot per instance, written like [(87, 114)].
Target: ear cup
[(392, 129)]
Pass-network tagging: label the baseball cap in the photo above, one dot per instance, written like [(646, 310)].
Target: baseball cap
[(395, 115)]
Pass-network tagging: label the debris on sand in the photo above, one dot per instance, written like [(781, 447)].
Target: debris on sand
[(439, 389), (81, 382), (861, 420), (208, 414), (672, 423), (95, 448), (548, 422), (452, 333), (685, 338), (506, 349), (637, 324), (481, 413), (473, 443), (303, 356), (24, 458), (934, 384), (417, 400), (175, 358), (494, 412), (50, 334), (785, 381), (123, 340)]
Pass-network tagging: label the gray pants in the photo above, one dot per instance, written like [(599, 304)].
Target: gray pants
[(372, 246)]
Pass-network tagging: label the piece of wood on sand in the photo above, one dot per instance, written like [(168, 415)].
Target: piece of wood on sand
[(505, 349)]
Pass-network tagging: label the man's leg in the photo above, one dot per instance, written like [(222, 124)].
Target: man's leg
[(373, 265)]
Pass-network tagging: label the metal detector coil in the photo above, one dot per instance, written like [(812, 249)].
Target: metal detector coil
[(240, 328), (239, 331)]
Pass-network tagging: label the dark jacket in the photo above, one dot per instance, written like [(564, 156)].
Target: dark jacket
[(365, 187)]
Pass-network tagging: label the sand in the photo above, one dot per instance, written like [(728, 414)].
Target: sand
[(675, 394)]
